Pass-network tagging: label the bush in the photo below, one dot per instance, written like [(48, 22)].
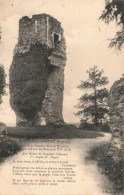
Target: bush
[(8, 147), (109, 159), (104, 127), (86, 126), (91, 127)]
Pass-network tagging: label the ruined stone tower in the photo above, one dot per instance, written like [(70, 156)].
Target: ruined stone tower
[(45, 30)]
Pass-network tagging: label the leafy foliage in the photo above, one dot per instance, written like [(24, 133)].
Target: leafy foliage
[(109, 159), (93, 107), (8, 147), (114, 10), (28, 80), (2, 82)]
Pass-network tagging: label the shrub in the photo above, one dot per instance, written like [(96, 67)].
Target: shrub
[(105, 127), (91, 127), (109, 159), (8, 147), (88, 126)]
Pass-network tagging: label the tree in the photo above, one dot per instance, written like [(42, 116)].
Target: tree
[(93, 106), (2, 82), (114, 10)]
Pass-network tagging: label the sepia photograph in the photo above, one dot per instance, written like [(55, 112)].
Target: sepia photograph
[(61, 97)]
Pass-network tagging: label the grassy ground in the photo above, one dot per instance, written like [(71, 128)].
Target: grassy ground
[(109, 160), (8, 147), (51, 132)]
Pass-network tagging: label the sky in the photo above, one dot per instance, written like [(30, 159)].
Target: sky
[(86, 39)]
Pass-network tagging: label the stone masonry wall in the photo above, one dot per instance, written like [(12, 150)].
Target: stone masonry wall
[(51, 109), (46, 30), (40, 28)]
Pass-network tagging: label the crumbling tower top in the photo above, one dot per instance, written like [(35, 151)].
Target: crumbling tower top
[(40, 28)]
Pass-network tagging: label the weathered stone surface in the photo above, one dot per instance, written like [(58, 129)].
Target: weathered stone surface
[(45, 30), (116, 107)]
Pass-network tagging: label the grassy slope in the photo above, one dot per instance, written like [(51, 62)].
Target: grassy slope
[(50, 132)]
